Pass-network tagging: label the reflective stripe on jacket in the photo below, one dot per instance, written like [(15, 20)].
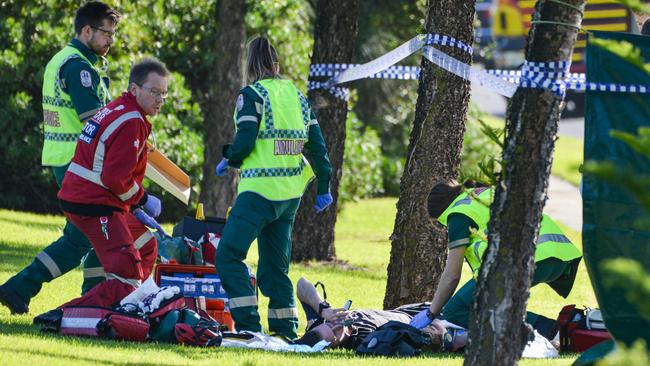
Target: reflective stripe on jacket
[(61, 124), (551, 243), (111, 157), (276, 168)]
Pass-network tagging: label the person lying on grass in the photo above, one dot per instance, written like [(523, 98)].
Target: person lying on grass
[(347, 328)]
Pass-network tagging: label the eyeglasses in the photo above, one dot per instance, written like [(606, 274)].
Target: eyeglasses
[(107, 33), (154, 93)]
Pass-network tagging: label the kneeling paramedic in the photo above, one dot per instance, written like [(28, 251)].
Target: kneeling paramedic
[(466, 216), (102, 190), (273, 122)]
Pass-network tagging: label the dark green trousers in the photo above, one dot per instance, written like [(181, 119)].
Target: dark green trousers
[(58, 258), (457, 308), (271, 223)]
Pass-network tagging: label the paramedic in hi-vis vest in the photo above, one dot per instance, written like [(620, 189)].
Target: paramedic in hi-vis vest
[(102, 191), (465, 213), (73, 91), (274, 122)]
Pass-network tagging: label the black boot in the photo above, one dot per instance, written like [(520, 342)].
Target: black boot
[(13, 301)]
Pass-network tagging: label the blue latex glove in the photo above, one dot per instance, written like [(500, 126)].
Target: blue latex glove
[(149, 221), (323, 201), (222, 167), (420, 320), (153, 206)]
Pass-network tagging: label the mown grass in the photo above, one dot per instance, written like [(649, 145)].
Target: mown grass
[(362, 231), (567, 158)]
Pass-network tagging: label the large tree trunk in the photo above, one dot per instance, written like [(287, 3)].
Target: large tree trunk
[(217, 193), (497, 332), (418, 248), (334, 34)]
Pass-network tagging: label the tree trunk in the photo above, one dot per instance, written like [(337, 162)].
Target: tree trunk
[(497, 333), (335, 32), (418, 248), (217, 193)]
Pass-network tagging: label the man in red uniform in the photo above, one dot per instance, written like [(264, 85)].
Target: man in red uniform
[(102, 190)]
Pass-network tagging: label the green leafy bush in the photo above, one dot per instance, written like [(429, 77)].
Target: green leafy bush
[(362, 173), (482, 147), (180, 33)]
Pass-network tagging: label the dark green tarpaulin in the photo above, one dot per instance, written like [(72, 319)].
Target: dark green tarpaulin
[(610, 217)]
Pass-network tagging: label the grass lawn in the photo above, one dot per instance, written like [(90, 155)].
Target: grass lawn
[(362, 230), (567, 158)]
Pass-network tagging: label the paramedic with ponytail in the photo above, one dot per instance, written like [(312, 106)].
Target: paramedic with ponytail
[(274, 123), (465, 212)]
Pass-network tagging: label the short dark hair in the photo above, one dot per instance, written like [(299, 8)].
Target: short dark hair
[(646, 28), (93, 14), (140, 71)]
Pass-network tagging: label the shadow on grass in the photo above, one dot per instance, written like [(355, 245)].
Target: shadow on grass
[(296, 358), (16, 257), (24, 222), (78, 358), (340, 354), (17, 329), (28, 330)]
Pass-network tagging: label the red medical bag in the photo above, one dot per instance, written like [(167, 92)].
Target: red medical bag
[(580, 329), (92, 321)]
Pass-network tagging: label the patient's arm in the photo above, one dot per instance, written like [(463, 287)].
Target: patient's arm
[(308, 294)]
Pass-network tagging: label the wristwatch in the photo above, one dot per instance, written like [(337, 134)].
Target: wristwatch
[(323, 305), (431, 315)]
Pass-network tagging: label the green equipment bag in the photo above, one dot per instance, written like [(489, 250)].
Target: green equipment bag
[(182, 250)]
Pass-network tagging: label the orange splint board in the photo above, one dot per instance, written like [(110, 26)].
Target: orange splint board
[(167, 175)]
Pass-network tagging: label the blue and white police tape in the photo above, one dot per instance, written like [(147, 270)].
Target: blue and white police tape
[(466, 72), (437, 39), (381, 66), (517, 74), (545, 75), (578, 82), (337, 91), (615, 88), (393, 72), (552, 75)]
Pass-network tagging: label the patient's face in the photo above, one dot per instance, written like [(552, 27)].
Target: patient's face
[(336, 334), (435, 327), (435, 330)]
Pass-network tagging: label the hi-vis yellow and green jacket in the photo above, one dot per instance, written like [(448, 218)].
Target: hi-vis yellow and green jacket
[(475, 204)]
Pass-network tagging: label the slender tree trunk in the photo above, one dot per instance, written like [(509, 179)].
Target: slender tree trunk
[(335, 32), (418, 248), (497, 332), (217, 193)]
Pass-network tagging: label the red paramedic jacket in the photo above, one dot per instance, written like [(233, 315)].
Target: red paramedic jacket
[(110, 159)]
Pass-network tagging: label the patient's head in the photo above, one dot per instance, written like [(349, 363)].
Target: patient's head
[(336, 334), (435, 331)]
